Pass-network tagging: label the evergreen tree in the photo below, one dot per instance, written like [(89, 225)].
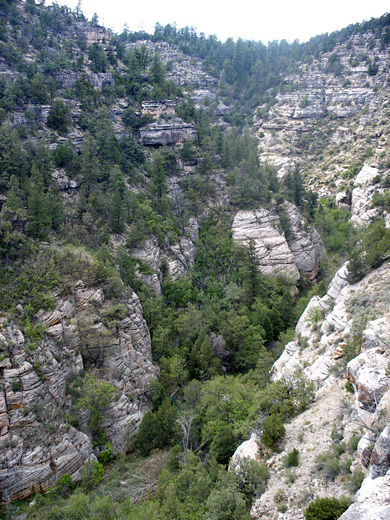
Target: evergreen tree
[(90, 166), (12, 220), (59, 117), (98, 58), (117, 200), (157, 72), (39, 216)]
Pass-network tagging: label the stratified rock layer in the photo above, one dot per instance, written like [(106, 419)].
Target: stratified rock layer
[(289, 253), (37, 442)]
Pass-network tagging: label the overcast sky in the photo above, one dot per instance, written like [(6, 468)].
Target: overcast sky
[(265, 20)]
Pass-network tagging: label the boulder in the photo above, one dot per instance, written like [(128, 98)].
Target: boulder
[(372, 500), (380, 456)]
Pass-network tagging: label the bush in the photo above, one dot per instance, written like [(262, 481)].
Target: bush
[(349, 387), (273, 431), (326, 508), (91, 475), (64, 486), (329, 465), (157, 429), (223, 444), (108, 454), (59, 116), (251, 477), (356, 481), (292, 458)]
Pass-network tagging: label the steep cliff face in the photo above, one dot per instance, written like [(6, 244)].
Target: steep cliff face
[(40, 441), (179, 258), (283, 247), (329, 113), (348, 320), (340, 337)]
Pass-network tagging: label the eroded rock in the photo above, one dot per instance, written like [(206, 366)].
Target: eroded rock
[(37, 443), (280, 252)]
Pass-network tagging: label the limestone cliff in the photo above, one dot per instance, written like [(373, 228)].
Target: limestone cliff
[(350, 321), (40, 441), (291, 252)]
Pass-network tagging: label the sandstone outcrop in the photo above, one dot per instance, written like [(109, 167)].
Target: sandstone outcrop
[(37, 440), (183, 69), (372, 500), (330, 112), (288, 252), (179, 258), (171, 132)]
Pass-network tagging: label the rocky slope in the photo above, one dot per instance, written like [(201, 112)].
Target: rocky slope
[(43, 433), (348, 320), (330, 113), (340, 337)]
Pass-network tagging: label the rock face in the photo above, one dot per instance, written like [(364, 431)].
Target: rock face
[(328, 112), (287, 252), (353, 321), (248, 449), (170, 132), (372, 501), (183, 69), (37, 441), (364, 189), (179, 258)]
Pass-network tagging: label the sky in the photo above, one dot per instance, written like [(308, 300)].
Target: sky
[(248, 19)]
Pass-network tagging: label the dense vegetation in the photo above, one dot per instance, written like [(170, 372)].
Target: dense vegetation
[(215, 331)]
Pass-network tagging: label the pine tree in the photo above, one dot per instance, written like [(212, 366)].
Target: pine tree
[(39, 216), (12, 219)]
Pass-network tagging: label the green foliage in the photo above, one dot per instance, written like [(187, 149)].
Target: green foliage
[(357, 266), (336, 230), (287, 398), (59, 116), (223, 444), (273, 431), (91, 475), (64, 486), (349, 387), (329, 465), (157, 429), (39, 215), (251, 477), (292, 458), (326, 508), (356, 481), (98, 58), (95, 397), (108, 454), (226, 502)]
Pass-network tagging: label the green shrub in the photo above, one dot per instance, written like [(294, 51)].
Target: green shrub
[(64, 486), (223, 444), (273, 431), (108, 454), (91, 475), (251, 477), (157, 429), (326, 508), (292, 458), (356, 481), (329, 465)]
